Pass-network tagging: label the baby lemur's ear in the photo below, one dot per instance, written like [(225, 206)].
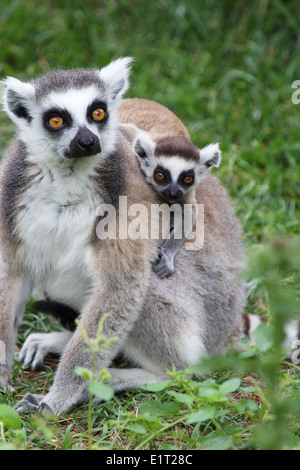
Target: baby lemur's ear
[(141, 143), (210, 156), (18, 100), (144, 147), (130, 132)]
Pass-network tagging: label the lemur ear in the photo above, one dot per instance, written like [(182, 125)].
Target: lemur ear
[(130, 132), (141, 143), (116, 76), (144, 147), (210, 156), (18, 98)]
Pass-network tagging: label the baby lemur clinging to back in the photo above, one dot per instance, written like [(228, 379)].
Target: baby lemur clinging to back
[(174, 166), (175, 169)]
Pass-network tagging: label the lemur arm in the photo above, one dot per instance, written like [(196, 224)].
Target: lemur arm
[(15, 291), (124, 268), (164, 264)]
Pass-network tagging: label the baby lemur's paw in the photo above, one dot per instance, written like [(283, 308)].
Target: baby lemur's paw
[(164, 265)]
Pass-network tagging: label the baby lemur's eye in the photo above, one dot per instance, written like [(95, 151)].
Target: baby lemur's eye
[(98, 114), (189, 179), (56, 122), (159, 176)]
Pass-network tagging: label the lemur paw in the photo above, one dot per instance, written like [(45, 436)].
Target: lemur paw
[(164, 266), (32, 403), (6, 388), (4, 378), (29, 404), (33, 351), (38, 345)]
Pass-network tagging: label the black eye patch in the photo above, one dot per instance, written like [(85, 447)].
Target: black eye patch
[(57, 113), (186, 178), (97, 104), (162, 175)]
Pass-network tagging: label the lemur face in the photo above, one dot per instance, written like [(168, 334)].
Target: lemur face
[(70, 114), (174, 166), (75, 126), (171, 182)]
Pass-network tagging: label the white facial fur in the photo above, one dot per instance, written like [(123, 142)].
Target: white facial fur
[(176, 165), (209, 156), (76, 102)]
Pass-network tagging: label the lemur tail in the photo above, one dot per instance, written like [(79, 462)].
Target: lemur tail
[(63, 313), (292, 331), (250, 323)]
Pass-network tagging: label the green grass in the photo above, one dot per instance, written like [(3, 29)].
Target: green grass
[(226, 69)]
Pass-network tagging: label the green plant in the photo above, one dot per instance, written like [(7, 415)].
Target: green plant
[(94, 377)]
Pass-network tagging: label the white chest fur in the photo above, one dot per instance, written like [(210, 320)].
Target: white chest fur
[(54, 222)]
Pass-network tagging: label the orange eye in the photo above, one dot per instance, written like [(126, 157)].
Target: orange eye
[(188, 179), (98, 114), (56, 122), (159, 176)]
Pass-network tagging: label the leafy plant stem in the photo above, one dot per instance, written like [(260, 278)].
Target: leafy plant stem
[(163, 429)]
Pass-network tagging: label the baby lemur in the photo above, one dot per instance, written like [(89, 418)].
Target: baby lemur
[(175, 169), (173, 165), (70, 158)]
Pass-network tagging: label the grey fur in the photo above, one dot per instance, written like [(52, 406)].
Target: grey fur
[(159, 323), (14, 184), (63, 80)]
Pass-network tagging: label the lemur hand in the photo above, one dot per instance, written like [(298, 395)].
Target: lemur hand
[(164, 265)]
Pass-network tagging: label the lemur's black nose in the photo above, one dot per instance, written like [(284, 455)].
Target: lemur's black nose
[(84, 144), (173, 193)]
